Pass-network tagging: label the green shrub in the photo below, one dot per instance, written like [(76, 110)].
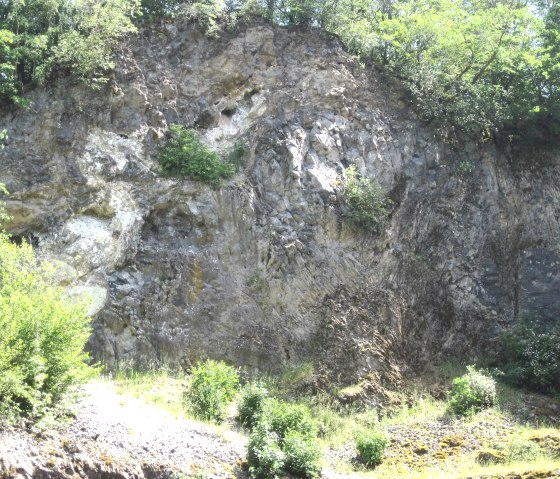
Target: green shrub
[(302, 455), (371, 447), (251, 404), (522, 450), (264, 454), (213, 386), (364, 202), (283, 441), (283, 418), (530, 356), (472, 392), (184, 154), (43, 335)]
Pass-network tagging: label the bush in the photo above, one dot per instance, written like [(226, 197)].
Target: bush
[(302, 455), (283, 441), (184, 154), (43, 336), (472, 392), (283, 418), (251, 404), (522, 450), (364, 202), (264, 454), (213, 386), (371, 447), (530, 356)]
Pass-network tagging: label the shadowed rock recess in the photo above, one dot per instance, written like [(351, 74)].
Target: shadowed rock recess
[(263, 271)]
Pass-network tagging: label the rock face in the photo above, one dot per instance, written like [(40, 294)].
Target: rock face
[(262, 271)]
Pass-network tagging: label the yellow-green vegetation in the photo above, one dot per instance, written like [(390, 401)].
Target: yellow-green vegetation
[(418, 439), (43, 335), (212, 387), (161, 387)]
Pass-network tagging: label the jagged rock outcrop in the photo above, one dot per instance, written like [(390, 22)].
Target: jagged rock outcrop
[(263, 271)]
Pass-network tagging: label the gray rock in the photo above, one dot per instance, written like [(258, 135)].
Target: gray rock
[(263, 271)]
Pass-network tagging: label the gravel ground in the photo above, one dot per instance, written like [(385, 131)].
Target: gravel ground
[(125, 437)]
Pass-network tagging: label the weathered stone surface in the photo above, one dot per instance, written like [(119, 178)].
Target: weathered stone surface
[(263, 271)]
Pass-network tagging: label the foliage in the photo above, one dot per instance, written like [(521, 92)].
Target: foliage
[(283, 441), (472, 392), (521, 449), (283, 418), (156, 9), (87, 49), (251, 404), (302, 455), (371, 446), (184, 154), (43, 335), (364, 201), (235, 156), (37, 36), (213, 386), (264, 454), (530, 356)]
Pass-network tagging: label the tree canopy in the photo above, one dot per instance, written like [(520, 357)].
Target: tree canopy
[(479, 69), (37, 36)]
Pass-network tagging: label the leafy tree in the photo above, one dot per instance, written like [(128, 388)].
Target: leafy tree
[(39, 35), (86, 49), (43, 334)]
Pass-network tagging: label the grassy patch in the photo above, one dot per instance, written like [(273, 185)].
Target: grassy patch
[(424, 441), (160, 387)]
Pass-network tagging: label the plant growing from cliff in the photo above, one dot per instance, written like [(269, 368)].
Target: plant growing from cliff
[(43, 335), (213, 386), (530, 356), (472, 392), (364, 202), (184, 154)]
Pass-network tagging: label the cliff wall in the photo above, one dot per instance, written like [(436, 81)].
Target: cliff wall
[(263, 271)]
